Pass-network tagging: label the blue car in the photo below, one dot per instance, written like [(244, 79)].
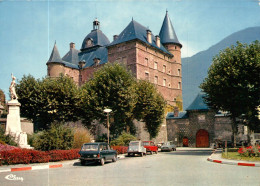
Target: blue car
[(97, 152)]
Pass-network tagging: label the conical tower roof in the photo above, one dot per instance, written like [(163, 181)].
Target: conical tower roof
[(167, 33), (55, 55), (199, 103)]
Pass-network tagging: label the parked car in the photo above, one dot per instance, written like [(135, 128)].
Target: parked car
[(97, 152), (150, 147), (136, 147), (168, 146), (242, 143)]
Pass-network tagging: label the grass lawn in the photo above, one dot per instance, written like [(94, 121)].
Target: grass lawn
[(236, 156)]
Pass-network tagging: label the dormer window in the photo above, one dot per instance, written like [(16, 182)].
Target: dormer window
[(89, 42)]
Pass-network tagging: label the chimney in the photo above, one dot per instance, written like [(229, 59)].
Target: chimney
[(176, 112), (157, 40), (72, 45), (96, 61), (115, 37), (149, 35)]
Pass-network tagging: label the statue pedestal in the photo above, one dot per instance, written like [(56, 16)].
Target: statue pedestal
[(13, 124)]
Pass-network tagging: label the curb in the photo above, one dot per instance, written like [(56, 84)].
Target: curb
[(32, 168), (230, 162)]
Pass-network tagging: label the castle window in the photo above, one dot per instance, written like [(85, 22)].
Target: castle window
[(155, 79), (164, 68), (146, 61), (146, 76), (179, 72), (145, 48), (164, 82), (89, 42), (169, 85), (155, 65), (179, 85), (175, 47)]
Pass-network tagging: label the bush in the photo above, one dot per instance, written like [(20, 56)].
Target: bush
[(57, 137), (81, 136), (120, 149), (251, 151), (26, 156), (6, 139), (123, 139)]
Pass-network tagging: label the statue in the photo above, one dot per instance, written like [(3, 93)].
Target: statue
[(12, 89)]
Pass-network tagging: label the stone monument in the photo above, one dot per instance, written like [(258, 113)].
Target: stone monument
[(13, 122)]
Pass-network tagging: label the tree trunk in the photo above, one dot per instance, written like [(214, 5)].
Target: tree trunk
[(234, 130)]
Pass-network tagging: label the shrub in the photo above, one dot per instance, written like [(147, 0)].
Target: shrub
[(57, 137), (8, 139), (120, 149), (4, 147), (25, 156), (250, 151), (123, 139), (81, 136)]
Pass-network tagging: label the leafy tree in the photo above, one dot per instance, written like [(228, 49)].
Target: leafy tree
[(149, 107), (2, 102), (123, 140), (233, 83), (48, 100), (111, 87)]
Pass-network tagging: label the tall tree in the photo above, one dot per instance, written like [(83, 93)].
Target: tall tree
[(48, 100), (149, 107), (111, 87), (233, 83)]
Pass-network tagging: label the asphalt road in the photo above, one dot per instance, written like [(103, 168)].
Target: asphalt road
[(182, 167)]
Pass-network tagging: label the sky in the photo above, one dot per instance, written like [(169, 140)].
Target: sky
[(29, 28)]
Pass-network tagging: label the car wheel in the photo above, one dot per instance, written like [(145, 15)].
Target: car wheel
[(114, 159), (151, 152), (82, 162), (102, 161), (156, 152), (142, 154), (129, 155)]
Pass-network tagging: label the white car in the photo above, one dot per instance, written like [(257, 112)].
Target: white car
[(136, 147), (168, 146)]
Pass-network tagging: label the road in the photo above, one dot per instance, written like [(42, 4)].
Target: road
[(182, 167)]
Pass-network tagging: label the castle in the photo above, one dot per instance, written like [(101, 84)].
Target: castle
[(153, 58)]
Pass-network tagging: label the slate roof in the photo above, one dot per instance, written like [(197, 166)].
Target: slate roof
[(198, 103), (98, 38), (182, 115), (55, 55), (135, 30), (94, 52), (167, 33), (72, 56), (55, 58)]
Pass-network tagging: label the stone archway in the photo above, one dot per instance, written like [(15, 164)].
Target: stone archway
[(185, 142), (202, 138)]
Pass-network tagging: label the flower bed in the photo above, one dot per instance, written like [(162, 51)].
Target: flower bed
[(251, 151), (120, 149), (26, 156)]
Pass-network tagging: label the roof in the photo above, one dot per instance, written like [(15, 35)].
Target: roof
[(135, 30), (167, 33), (90, 54), (97, 37), (182, 115), (55, 55), (72, 56), (198, 103)]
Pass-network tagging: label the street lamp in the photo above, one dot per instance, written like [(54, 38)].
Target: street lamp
[(107, 110)]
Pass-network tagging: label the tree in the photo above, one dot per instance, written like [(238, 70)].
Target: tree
[(149, 107), (48, 100), (233, 83), (111, 87)]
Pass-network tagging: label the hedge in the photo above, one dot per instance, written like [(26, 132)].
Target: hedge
[(120, 149), (26, 156)]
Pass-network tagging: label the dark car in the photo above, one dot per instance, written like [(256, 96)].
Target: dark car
[(97, 152)]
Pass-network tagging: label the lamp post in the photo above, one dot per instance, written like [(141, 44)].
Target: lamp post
[(107, 110)]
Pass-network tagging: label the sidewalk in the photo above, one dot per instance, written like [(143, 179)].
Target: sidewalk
[(216, 158), (38, 166)]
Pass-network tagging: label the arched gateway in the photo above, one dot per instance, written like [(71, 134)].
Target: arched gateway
[(202, 138)]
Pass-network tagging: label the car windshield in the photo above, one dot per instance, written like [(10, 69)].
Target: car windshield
[(136, 143), (88, 147), (146, 143)]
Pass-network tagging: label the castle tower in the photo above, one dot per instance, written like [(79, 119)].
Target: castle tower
[(170, 41)]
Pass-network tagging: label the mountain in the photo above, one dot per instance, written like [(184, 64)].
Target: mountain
[(195, 68)]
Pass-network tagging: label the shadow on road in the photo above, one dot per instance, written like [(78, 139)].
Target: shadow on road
[(190, 153)]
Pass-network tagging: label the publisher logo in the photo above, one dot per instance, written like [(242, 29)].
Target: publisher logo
[(13, 177)]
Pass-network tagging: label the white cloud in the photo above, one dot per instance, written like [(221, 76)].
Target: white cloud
[(187, 50)]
